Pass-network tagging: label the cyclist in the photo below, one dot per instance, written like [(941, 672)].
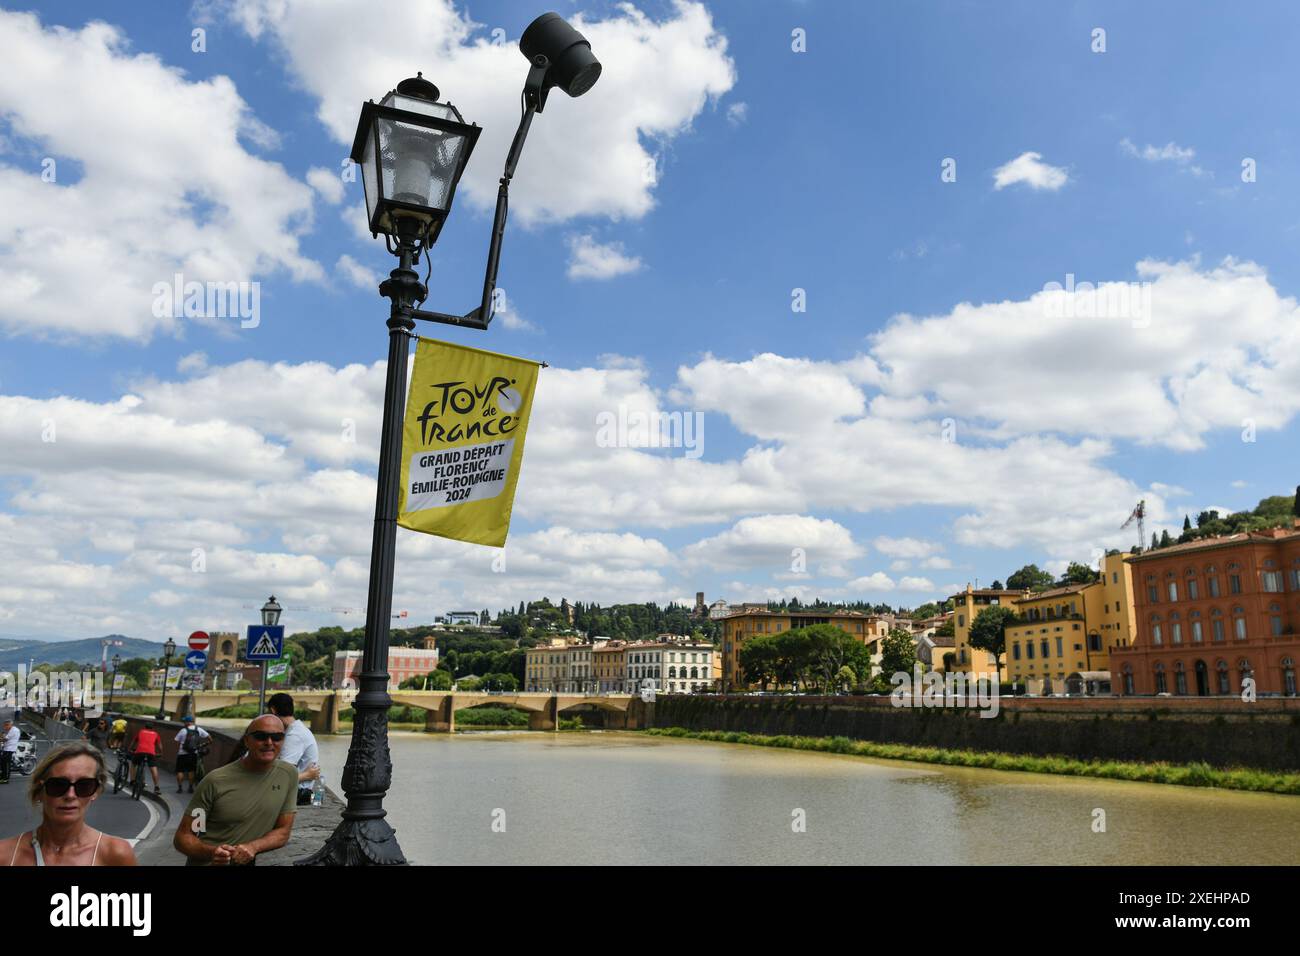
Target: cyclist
[(145, 750), (191, 743), (117, 733)]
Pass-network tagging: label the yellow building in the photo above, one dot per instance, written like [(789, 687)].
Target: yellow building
[(966, 606), (744, 625), (564, 665), (1071, 630)]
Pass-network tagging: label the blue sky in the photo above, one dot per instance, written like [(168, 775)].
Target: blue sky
[(774, 170)]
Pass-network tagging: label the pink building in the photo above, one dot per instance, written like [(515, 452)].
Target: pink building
[(403, 663)]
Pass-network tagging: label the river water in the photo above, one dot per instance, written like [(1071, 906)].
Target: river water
[(614, 798)]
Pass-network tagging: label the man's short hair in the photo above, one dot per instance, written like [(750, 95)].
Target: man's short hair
[(280, 704)]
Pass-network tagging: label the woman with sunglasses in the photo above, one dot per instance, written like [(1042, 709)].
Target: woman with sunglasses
[(65, 783)]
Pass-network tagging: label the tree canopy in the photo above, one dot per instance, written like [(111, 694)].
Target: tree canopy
[(988, 632)]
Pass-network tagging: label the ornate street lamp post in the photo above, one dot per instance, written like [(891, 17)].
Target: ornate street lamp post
[(270, 617), (117, 662), (412, 148), (169, 648)]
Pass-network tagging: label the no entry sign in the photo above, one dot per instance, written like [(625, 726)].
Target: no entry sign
[(199, 641)]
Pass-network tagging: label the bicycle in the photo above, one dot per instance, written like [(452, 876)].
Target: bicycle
[(137, 782), (123, 770)]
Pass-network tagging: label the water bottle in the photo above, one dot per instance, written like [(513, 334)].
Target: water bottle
[(317, 792)]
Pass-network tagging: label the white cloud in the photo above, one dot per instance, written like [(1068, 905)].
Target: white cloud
[(737, 113), (589, 259), (327, 183), (1169, 153), (355, 273), (587, 157), (905, 547), (1215, 347), (775, 542), (1029, 168), (924, 585), (153, 199), (876, 582)]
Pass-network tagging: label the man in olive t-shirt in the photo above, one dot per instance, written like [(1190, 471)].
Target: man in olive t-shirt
[(244, 808)]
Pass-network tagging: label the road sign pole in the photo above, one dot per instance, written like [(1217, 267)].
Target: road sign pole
[(261, 696)]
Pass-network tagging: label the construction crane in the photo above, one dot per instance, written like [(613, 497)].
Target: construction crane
[(1139, 515)]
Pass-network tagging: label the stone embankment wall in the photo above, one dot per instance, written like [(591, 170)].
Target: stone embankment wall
[(1223, 732)]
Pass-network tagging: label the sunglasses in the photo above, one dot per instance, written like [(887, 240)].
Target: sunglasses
[(261, 735), (58, 786)]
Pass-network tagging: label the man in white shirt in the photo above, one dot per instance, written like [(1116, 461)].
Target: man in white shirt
[(191, 742), (299, 746), (9, 737)]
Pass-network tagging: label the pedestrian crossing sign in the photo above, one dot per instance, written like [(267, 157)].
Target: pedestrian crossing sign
[(265, 643)]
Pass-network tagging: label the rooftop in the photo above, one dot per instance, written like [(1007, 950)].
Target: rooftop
[(1222, 541)]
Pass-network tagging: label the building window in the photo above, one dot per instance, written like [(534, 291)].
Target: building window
[(1059, 652), (1162, 687), (1221, 668), (1173, 590), (1094, 642), (1029, 649), (1178, 632), (1180, 679), (1153, 594), (1156, 637), (1214, 585), (1196, 632), (1128, 679), (1288, 677), (1239, 628), (1234, 583), (1272, 582), (1015, 651), (1275, 625), (1193, 589), (1044, 648)]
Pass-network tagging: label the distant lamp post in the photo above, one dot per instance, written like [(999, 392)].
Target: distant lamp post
[(412, 148), (169, 649), (271, 612), (117, 662)]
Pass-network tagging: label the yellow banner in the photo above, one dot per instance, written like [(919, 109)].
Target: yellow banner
[(463, 441)]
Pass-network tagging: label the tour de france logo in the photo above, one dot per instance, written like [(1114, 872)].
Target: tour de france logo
[(462, 411)]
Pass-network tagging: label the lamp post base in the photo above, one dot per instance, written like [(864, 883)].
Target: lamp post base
[(358, 843)]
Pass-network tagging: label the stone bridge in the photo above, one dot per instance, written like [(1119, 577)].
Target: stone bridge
[(543, 710)]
